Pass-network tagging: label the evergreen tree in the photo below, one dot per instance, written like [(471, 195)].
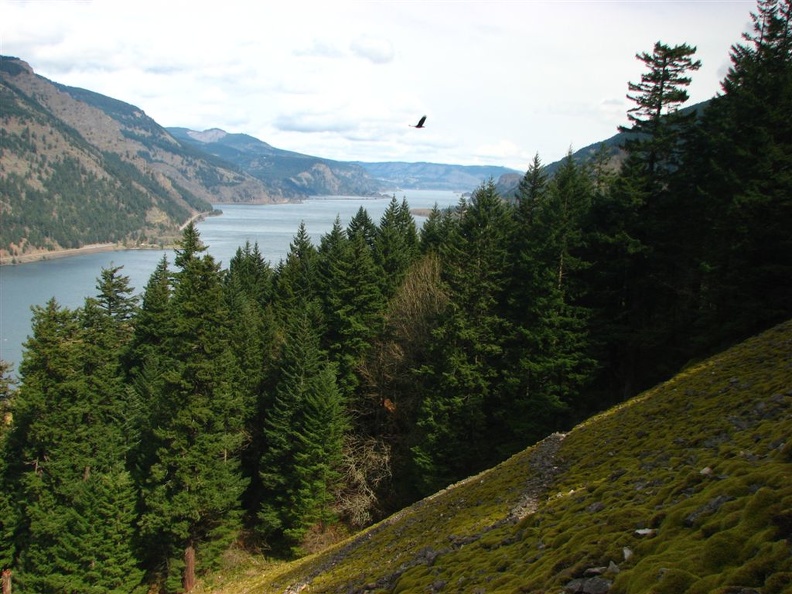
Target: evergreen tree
[(636, 231), (96, 552), (332, 257), (396, 245), (460, 383), (352, 302), (304, 437), (295, 280), (250, 273), (255, 341), (115, 297), (655, 117), (152, 322), (248, 291), (362, 226), (146, 361), (551, 359), (193, 484), (746, 155), (530, 190), (69, 438), (435, 230)]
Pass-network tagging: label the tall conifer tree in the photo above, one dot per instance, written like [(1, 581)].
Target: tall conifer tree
[(550, 356), (460, 381), (255, 341), (295, 279), (396, 245), (747, 189), (304, 437), (70, 446), (193, 486), (655, 117), (634, 284)]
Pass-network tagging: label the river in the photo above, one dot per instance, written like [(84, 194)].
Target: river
[(273, 226)]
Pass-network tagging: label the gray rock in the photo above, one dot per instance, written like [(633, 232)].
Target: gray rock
[(628, 553), (595, 585)]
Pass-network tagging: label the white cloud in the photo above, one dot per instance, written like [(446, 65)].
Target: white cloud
[(319, 48), (499, 80), (378, 51)]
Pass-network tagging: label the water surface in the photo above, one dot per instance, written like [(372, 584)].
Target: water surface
[(273, 226)]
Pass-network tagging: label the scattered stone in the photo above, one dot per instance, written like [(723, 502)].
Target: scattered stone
[(428, 555), (595, 507), (595, 585), (705, 510), (628, 553), (645, 532), (706, 471), (543, 470), (617, 474), (595, 571)]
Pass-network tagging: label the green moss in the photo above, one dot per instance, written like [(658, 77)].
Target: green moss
[(656, 578), (726, 527), (758, 511), (705, 585), (674, 581), (779, 583), (721, 550)]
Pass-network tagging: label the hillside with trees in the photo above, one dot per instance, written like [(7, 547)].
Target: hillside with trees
[(78, 168), (279, 407)]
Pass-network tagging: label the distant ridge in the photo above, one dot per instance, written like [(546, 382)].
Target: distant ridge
[(434, 176), (286, 173)]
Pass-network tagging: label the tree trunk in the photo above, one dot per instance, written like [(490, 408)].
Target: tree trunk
[(189, 568), (6, 581)]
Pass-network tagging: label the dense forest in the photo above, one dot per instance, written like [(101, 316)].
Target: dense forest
[(276, 407)]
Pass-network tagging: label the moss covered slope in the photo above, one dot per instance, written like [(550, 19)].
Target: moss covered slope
[(686, 488)]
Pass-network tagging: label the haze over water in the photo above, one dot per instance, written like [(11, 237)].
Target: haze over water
[(71, 280)]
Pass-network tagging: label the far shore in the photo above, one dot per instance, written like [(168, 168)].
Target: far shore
[(95, 248)]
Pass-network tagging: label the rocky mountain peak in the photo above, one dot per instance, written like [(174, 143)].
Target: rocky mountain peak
[(14, 66), (207, 136)]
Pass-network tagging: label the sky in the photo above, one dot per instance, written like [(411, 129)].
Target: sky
[(499, 81)]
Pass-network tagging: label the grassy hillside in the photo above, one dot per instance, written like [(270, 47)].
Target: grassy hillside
[(685, 488)]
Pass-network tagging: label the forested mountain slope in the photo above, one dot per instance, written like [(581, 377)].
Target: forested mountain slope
[(279, 408), (79, 168), (685, 488), (289, 174)]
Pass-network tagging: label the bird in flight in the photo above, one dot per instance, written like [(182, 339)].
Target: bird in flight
[(420, 123)]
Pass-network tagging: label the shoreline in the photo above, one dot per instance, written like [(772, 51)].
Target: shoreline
[(96, 248)]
